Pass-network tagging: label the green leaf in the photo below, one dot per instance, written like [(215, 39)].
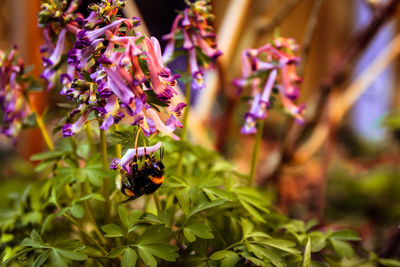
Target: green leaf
[(123, 215), (112, 230), (189, 235), (77, 211), (164, 251), (252, 210), (129, 258), (43, 166), (134, 215), (154, 234), (200, 230), (116, 252), (57, 259), (183, 199), (258, 235), (149, 217), (73, 255), (35, 236), (146, 256), (70, 244), (307, 254), (389, 262), (42, 258), (27, 242), (343, 249), (346, 235), (254, 260), (247, 227), (48, 155), (270, 256), (46, 222), (281, 244), (91, 196), (227, 257), (318, 241), (206, 205), (17, 255)]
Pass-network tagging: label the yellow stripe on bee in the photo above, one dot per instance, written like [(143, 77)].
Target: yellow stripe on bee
[(157, 180)]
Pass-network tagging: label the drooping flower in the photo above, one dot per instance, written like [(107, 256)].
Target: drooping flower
[(124, 163), (198, 40), (276, 72), (12, 100)]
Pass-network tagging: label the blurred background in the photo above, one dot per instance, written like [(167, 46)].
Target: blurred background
[(342, 167)]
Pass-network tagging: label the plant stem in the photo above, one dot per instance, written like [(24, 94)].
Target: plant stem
[(89, 134), (45, 134), (73, 221), (256, 150), (185, 123), (88, 209), (186, 114), (118, 147), (157, 201), (106, 182)]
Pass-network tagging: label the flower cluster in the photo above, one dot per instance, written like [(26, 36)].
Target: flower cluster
[(58, 19), (277, 71), (13, 102), (192, 32), (115, 71)]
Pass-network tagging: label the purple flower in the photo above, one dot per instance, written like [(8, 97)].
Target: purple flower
[(126, 160), (85, 38), (12, 101), (71, 129), (113, 70), (198, 37), (279, 72)]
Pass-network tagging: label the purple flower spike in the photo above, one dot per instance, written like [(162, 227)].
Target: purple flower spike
[(121, 65), (198, 35), (279, 72)]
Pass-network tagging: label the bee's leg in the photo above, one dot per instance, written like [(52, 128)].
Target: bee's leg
[(129, 199), (135, 165), (147, 157)]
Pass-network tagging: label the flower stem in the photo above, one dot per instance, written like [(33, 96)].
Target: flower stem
[(185, 123), (118, 147), (256, 150), (88, 208), (73, 221), (157, 201), (106, 182), (186, 113), (89, 134), (45, 134)]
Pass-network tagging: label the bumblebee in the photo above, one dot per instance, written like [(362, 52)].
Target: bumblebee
[(145, 180)]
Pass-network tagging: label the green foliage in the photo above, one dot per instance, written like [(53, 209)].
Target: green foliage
[(207, 217)]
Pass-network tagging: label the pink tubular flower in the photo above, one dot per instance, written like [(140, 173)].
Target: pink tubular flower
[(198, 37), (278, 72)]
